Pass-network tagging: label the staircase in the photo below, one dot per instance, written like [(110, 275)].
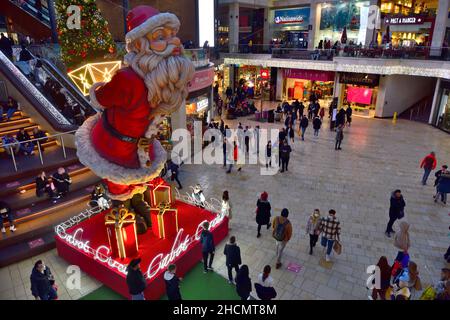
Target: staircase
[(420, 111)]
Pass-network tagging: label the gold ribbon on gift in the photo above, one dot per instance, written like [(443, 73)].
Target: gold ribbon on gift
[(119, 216), (163, 207)]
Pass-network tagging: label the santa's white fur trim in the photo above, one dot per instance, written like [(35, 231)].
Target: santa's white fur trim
[(126, 196), (94, 102), (150, 24), (107, 170)]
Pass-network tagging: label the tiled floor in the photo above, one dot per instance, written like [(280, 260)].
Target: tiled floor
[(377, 157)]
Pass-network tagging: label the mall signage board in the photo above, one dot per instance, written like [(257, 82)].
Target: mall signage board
[(361, 79), (295, 16), (404, 20), (313, 75)]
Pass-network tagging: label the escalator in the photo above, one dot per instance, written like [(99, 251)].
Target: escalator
[(27, 19), (20, 79)]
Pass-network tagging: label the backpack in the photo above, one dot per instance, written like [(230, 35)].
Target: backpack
[(280, 230)]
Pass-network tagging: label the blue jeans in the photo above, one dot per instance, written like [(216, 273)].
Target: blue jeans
[(10, 219), (327, 243), (139, 296), (10, 113), (316, 132), (27, 147), (303, 133), (426, 173)]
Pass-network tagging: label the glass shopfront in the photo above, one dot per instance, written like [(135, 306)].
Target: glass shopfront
[(442, 117), (255, 81), (290, 27), (300, 84), (360, 91), (197, 110), (334, 17)]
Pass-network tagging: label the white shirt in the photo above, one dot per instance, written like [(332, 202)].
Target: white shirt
[(267, 283)]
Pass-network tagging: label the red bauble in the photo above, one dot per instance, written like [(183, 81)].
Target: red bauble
[(83, 54), (111, 50)]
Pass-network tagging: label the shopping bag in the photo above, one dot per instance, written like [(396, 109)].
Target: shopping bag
[(337, 247)]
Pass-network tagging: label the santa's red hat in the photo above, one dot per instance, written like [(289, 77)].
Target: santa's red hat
[(143, 19)]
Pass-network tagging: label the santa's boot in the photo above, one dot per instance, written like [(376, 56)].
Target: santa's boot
[(141, 208)]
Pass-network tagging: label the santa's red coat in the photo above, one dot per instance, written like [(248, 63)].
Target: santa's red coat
[(130, 114)]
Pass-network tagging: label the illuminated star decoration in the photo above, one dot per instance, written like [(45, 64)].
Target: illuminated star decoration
[(85, 76)]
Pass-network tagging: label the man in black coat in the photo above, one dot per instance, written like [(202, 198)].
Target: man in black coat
[(62, 181), (285, 151), (396, 210), (172, 283), (135, 280), (41, 282), (233, 257), (208, 247)]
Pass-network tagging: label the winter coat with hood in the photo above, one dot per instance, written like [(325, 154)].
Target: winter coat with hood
[(135, 281), (397, 206), (40, 282), (172, 286), (401, 239), (263, 212), (233, 254)]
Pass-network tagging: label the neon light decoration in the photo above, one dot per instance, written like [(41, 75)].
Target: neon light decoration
[(85, 76)]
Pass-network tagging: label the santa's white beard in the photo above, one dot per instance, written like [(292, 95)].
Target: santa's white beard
[(165, 76)]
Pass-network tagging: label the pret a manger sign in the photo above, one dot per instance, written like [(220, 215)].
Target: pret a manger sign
[(160, 262)]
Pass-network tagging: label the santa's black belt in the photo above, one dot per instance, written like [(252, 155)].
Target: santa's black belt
[(116, 133)]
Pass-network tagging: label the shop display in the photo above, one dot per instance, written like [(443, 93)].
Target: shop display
[(122, 236), (164, 221)]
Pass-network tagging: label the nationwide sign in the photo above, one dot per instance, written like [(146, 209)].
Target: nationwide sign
[(404, 20), (299, 16)]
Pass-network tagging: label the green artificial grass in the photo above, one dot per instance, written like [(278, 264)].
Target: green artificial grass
[(195, 286)]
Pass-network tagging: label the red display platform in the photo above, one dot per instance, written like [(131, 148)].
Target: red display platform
[(85, 244)]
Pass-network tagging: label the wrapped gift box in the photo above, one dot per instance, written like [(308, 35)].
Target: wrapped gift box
[(121, 229), (161, 192), (164, 221)]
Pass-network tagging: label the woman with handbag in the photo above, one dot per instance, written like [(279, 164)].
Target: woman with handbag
[(313, 229)]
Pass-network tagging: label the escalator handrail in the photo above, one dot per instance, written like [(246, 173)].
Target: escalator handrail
[(45, 108), (67, 84), (45, 14)]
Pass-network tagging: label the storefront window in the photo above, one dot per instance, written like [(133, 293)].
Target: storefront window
[(443, 119), (300, 84), (197, 110), (350, 14), (409, 7), (360, 91), (255, 81)]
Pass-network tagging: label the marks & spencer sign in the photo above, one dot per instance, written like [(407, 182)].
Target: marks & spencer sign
[(404, 20), (296, 16)]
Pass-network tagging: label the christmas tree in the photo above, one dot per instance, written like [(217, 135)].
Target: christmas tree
[(83, 34)]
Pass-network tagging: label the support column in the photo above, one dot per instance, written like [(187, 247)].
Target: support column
[(233, 34), (52, 16), (431, 120), (267, 32), (373, 22), (314, 22), (125, 8), (440, 27)]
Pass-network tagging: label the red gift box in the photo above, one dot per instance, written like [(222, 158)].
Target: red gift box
[(160, 192), (164, 221), (121, 229)]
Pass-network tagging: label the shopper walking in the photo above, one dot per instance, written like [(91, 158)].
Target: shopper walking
[(442, 184), (339, 137), (317, 123), (226, 205), (331, 230), (263, 214), (401, 241), (243, 283), (322, 113), (41, 282), (233, 257), (174, 168), (291, 133), (396, 210), (264, 286), (224, 150), (428, 164), (313, 229), (384, 280), (349, 113), (285, 151), (135, 280), (303, 125), (208, 247), (172, 283), (269, 154), (282, 233)]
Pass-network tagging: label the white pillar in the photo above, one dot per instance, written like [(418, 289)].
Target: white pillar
[(440, 26), (178, 118), (233, 33), (372, 25), (279, 93), (314, 21), (435, 102)]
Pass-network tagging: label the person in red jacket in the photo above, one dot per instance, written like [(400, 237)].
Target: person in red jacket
[(428, 164)]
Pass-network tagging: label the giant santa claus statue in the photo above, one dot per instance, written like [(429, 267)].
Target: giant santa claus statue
[(118, 144)]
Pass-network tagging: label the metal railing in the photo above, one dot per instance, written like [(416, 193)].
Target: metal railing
[(355, 51), (15, 147)]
